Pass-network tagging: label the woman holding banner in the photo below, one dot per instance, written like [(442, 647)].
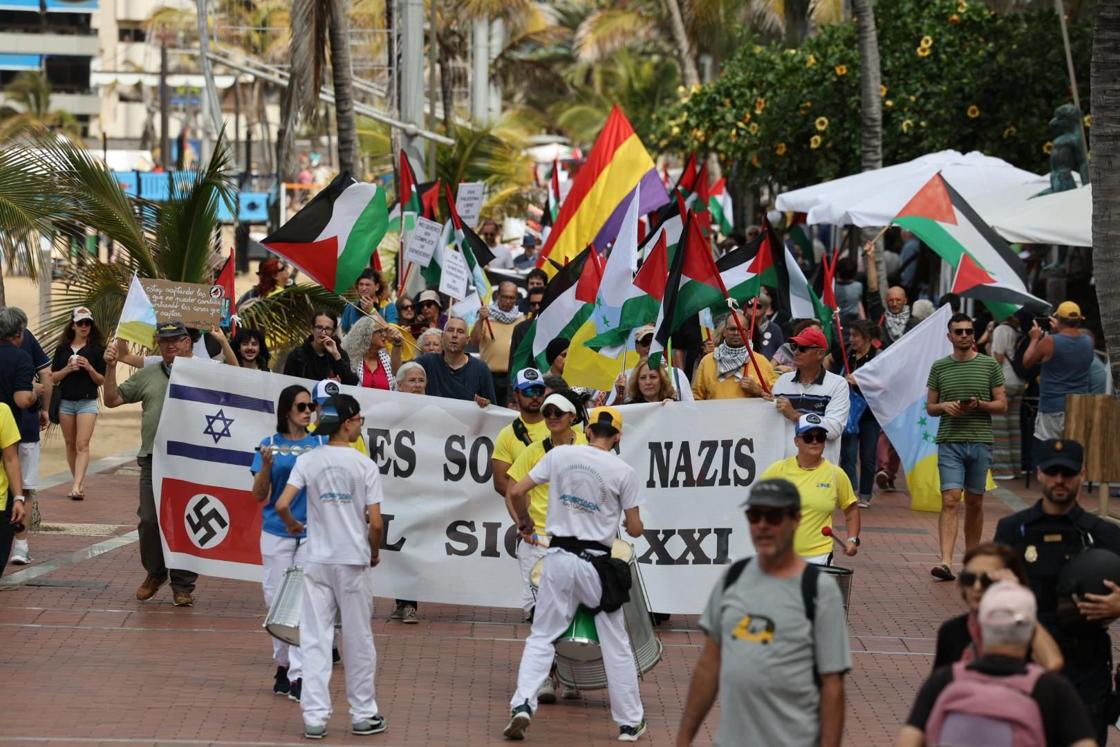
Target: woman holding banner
[(273, 462), (649, 385)]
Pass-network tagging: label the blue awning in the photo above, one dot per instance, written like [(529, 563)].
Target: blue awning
[(69, 6), (20, 62), (29, 5)]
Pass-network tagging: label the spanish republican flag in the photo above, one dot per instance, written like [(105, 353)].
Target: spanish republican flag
[(592, 213), (333, 236)]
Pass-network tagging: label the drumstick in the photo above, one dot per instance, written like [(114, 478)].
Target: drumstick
[(827, 532)]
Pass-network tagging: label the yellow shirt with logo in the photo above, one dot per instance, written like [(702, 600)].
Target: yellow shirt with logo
[(538, 496), (823, 489), (9, 434)]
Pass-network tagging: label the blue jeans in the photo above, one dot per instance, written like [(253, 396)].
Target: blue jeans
[(964, 464), (863, 446)]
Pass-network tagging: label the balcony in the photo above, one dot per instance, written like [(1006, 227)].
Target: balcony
[(49, 43)]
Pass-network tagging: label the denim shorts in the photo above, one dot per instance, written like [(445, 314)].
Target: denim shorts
[(965, 465), (78, 407)]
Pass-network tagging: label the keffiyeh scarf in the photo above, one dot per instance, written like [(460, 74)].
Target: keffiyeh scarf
[(729, 360), (504, 317), (896, 323)]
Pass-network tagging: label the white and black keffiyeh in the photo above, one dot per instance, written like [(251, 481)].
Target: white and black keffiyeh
[(729, 360), (504, 317), (896, 323), (386, 364)]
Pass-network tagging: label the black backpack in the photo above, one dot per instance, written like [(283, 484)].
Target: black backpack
[(1026, 375)]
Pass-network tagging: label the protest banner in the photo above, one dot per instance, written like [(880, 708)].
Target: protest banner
[(454, 280), (422, 242), (468, 202), (195, 304), (448, 537)]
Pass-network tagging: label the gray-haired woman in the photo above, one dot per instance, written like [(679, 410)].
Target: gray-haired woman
[(369, 356)]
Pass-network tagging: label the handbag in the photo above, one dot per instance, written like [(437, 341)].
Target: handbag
[(857, 406)]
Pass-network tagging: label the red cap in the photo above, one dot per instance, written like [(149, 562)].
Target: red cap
[(811, 337)]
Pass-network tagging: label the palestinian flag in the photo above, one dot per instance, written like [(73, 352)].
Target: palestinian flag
[(719, 205), (332, 237), (475, 251), (984, 267), (686, 182), (568, 302)]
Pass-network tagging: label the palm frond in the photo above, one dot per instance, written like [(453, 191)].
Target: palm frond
[(308, 53), (283, 317), (606, 31), (475, 9)]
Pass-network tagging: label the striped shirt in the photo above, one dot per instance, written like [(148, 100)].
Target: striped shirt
[(957, 380)]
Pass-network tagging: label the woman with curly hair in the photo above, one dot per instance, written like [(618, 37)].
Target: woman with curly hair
[(370, 358), (251, 349), (649, 384)]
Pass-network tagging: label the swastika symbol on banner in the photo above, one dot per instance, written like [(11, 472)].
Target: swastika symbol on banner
[(207, 521)]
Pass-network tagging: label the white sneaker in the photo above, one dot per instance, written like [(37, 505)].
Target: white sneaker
[(547, 692), (21, 554), (568, 693)]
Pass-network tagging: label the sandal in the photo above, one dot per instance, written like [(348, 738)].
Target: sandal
[(76, 496), (942, 572)]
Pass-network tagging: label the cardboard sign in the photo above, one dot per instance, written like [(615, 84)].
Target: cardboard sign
[(422, 242), (468, 202), (455, 277), (195, 304)]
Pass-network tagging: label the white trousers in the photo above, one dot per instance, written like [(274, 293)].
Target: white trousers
[(567, 582), (349, 590), (527, 556), (278, 555)]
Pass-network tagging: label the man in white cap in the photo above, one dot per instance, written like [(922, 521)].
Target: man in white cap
[(561, 413), (1007, 619), (590, 490)]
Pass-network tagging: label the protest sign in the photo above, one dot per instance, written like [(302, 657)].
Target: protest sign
[(455, 276), (195, 304), (468, 202), (422, 242)]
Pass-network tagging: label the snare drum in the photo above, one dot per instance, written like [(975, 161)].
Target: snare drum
[(283, 617), (843, 577)]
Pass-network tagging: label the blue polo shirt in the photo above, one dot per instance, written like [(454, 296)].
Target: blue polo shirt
[(29, 421), (16, 375)]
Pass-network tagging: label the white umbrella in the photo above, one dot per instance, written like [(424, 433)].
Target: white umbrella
[(1063, 218), (874, 198)]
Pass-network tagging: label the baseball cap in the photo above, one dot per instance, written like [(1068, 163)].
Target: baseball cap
[(775, 493), (81, 313), (171, 330), (1068, 310), (336, 411), (560, 402), (1008, 604), (428, 295), (1060, 452), (527, 378), (641, 332), (810, 337), (605, 416), (324, 390), (810, 422)]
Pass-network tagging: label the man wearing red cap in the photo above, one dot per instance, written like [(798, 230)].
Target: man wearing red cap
[(809, 388)]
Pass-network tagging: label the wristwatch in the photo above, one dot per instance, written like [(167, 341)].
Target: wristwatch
[(854, 541), (19, 499)]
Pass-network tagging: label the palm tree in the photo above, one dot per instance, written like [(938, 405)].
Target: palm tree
[(1104, 86), (28, 201), (31, 93)]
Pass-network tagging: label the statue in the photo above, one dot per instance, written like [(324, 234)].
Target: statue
[(1068, 150)]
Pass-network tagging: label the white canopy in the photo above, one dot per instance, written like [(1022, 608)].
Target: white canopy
[(1064, 218), (874, 198)]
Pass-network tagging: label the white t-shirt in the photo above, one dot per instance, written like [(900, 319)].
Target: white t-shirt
[(340, 483), (503, 258), (1004, 337), (588, 489)]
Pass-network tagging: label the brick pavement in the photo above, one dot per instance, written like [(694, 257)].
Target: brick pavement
[(87, 664)]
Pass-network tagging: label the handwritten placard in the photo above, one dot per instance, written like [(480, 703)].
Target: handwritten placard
[(468, 202), (195, 304), (422, 242), (455, 275)]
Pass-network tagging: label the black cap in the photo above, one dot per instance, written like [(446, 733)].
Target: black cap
[(336, 411), (775, 493), (1060, 452), (171, 330)]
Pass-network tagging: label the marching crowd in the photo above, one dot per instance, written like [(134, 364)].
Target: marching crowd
[(1000, 397)]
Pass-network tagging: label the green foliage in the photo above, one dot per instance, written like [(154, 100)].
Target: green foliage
[(955, 76)]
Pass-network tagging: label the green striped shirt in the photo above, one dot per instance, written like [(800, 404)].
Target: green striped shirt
[(957, 380)]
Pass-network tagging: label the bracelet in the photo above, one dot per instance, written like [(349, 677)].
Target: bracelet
[(19, 499)]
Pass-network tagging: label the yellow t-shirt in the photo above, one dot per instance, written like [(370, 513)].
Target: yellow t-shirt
[(538, 496), (9, 434), (706, 383), (359, 444), (507, 446), (823, 489)]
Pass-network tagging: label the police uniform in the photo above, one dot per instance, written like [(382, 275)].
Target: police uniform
[(1046, 542)]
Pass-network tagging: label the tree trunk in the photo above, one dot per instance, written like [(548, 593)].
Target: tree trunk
[(445, 81), (345, 118), (3, 295), (871, 107), (689, 72), (796, 22), (1104, 170), (286, 132)]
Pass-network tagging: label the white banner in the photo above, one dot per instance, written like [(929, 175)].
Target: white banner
[(448, 537)]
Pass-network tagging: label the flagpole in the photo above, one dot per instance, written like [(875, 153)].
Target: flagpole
[(746, 341), (840, 337)]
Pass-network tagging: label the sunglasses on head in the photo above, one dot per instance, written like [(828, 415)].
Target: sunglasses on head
[(772, 516), (1058, 470), (799, 348), (553, 412), (532, 391), (969, 579), (814, 437), (964, 332), (307, 406)]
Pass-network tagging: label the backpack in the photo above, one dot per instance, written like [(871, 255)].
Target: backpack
[(1026, 375), (981, 710)]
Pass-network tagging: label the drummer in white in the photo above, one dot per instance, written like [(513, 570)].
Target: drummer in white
[(343, 493), (589, 490)]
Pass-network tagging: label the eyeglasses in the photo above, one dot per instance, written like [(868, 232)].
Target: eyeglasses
[(553, 412), (307, 406), (532, 391), (814, 437), (1057, 471), (964, 332), (320, 328), (798, 348), (772, 516), (969, 579)]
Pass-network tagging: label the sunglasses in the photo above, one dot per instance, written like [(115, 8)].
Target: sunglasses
[(969, 579), (772, 516), (1056, 471), (406, 307), (646, 341), (964, 332), (553, 412), (83, 323), (532, 391), (798, 348), (307, 406), (428, 303), (814, 437)]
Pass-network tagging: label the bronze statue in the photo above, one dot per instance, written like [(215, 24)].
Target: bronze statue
[(1068, 153)]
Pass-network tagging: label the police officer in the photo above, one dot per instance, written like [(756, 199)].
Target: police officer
[(1047, 536)]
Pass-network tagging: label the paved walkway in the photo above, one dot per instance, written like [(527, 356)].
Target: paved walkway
[(85, 663)]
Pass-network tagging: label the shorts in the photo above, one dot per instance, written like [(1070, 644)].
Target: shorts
[(29, 465), (964, 464), (1048, 425), (78, 407)]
